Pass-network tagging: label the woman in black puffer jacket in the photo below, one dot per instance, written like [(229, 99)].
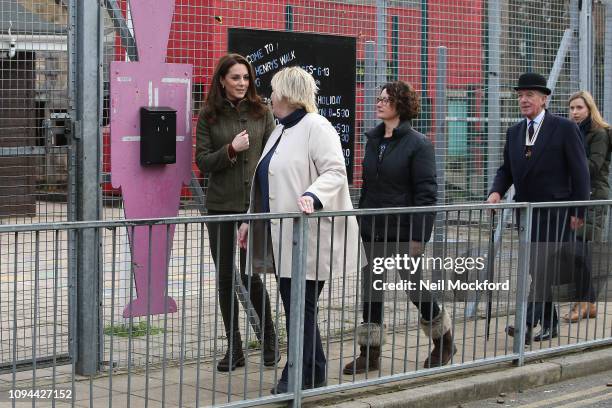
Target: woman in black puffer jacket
[(399, 170)]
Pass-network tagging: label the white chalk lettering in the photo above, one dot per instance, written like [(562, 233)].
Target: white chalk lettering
[(269, 48), (288, 57), (266, 67), (255, 56), (329, 100)]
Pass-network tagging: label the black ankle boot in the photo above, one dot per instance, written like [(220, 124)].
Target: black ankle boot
[(234, 357), (271, 354)]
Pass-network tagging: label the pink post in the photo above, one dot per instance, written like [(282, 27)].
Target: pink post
[(150, 191)]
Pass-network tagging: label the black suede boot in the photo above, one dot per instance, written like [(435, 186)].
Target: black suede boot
[(234, 357)]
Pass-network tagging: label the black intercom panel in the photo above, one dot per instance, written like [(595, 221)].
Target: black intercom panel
[(157, 135)]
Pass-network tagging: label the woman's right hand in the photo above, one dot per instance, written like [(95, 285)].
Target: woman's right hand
[(243, 234), (241, 141)]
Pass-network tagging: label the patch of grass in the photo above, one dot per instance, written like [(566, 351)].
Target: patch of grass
[(253, 344), (137, 330)]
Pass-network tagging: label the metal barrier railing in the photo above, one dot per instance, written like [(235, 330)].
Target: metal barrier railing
[(350, 301)]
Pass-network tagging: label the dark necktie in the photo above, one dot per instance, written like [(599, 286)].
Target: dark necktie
[(530, 131)]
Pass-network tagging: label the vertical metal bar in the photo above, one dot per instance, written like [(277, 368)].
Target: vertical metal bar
[(148, 316), (369, 102), (311, 375), (381, 42), (395, 294), (35, 320), (574, 54), (216, 325), (87, 140), (329, 287), (343, 303), (248, 271), (130, 322), (112, 316), (183, 309), (493, 93), (441, 143), (296, 322), (15, 279), (586, 45), (250, 310), (500, 228), (520, 318), (165, 340), (56, 244), (233, 310), (200, 312), (605, 284), (607, 102), (279, 267)]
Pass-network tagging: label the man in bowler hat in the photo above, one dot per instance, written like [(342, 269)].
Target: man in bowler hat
[(545, 159)]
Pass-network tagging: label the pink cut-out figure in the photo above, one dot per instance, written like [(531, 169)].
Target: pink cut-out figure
[(149, 191)]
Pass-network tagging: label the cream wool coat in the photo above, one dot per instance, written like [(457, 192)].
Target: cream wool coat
[(308, 158)]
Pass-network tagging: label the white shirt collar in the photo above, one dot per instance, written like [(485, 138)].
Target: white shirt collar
[(538, 119)]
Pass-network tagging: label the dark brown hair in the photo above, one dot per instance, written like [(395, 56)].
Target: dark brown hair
[(404, 98), (216, 94)]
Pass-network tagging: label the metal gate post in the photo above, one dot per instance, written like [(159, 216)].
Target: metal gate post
[(86, 55)]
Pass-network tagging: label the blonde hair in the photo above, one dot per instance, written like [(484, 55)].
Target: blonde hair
[(596, 117), (297, 87)]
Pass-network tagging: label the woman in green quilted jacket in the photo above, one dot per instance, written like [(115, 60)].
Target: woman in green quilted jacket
[(594, 130), (232, 130)]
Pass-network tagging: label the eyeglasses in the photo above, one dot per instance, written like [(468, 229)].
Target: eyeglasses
[(384, 100)]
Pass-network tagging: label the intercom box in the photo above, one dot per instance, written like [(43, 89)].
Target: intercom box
[(157, 135)]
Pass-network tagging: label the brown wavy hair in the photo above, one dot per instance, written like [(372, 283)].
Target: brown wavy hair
[(404, 98), (216, 94)]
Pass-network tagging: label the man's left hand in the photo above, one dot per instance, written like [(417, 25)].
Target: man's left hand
[(576, 223)]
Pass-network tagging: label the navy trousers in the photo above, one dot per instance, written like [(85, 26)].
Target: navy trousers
[(314, 361)]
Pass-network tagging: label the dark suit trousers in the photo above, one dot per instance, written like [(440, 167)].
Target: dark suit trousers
[(549, 227)]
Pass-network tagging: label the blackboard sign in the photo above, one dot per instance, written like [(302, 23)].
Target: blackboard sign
[(331, 61)]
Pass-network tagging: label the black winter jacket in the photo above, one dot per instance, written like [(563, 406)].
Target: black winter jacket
[(405, 176)]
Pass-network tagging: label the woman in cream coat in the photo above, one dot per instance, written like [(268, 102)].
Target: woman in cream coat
[(302, 169)]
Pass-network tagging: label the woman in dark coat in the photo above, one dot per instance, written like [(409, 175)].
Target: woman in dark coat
[(399, 170), (594, 130), (232, 130)]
